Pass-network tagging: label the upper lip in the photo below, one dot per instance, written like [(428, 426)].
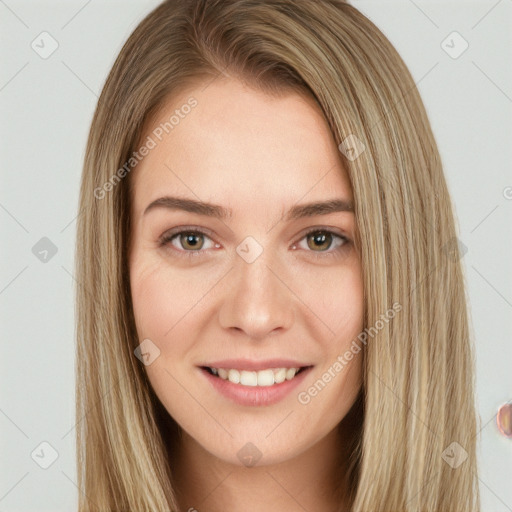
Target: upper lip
[(249, 365)]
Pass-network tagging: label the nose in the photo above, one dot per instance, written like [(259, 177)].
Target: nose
[(257, 301)]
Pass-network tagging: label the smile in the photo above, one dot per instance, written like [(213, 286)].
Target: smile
[(252, 384), (267, 377)]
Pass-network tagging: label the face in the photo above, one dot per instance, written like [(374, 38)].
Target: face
[(249, 301)]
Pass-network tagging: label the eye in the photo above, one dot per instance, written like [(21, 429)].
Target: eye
[(187, 242), (320, 241)]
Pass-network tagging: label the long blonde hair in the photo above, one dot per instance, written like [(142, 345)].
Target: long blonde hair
[(418, 389)]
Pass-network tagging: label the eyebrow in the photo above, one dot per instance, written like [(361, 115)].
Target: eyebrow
[(220, 212)]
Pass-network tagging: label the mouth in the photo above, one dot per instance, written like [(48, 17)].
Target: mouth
[(261, 378), (249, 382)]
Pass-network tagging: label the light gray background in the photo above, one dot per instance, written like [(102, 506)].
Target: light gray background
[(46, 109)]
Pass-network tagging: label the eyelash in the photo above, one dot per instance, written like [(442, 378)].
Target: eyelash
[(167, 238)]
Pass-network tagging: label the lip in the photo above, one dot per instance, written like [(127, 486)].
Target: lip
[(254, 396), (255, 366)]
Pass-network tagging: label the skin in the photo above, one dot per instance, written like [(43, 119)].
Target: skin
[(258, 155)]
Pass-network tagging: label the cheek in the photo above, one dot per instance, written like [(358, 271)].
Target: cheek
[(163, 304), (152, 301), (162, 298), (336, 298)]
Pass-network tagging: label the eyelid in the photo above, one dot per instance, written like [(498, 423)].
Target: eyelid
[(335, 231)]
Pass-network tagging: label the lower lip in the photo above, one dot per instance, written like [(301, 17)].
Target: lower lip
[(255, 395)]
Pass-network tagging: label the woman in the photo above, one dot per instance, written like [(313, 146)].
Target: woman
[(271, 310)]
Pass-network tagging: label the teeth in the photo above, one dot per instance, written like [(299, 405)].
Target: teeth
[(250, 378), (280, 375), (290, 373), (234, 376), (265, 378)]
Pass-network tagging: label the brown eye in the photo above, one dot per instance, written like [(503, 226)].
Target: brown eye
[(320, 240), (191, 240), (324, 243), (187, 242)]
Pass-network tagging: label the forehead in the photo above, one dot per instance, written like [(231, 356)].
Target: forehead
[(227, 141)]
